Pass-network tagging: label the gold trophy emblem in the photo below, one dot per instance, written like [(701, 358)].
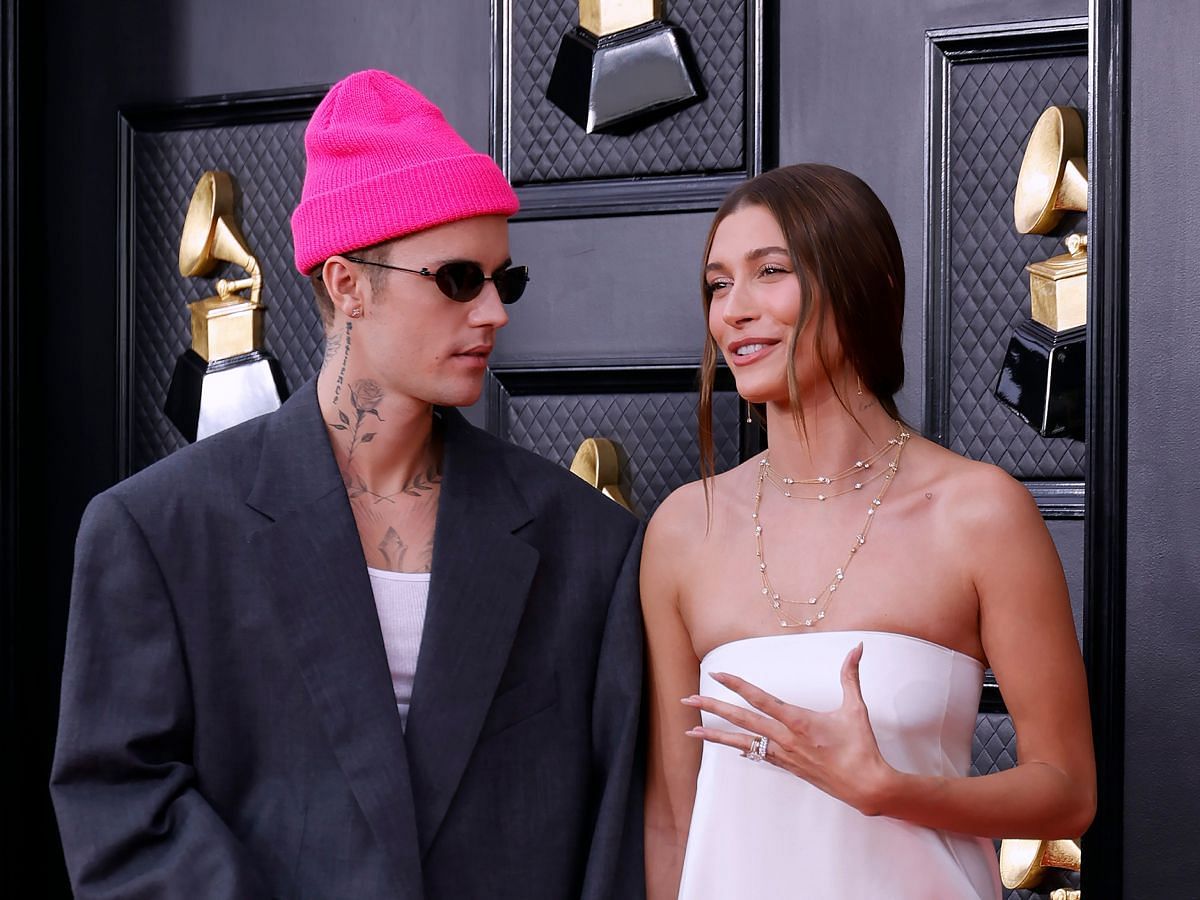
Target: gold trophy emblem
[(226, 376), (597, 463), (1042, 377), (1025, 863)]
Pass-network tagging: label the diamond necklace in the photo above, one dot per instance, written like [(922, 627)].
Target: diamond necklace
[(815, 606)]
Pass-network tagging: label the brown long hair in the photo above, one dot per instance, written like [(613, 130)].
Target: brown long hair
[(847, 258)]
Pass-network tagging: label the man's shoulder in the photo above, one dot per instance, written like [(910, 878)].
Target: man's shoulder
[(210, 468)]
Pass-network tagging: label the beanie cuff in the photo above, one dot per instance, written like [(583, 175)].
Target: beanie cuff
[(397, 203)]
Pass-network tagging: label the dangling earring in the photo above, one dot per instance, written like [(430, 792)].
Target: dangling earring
[(858, 378)]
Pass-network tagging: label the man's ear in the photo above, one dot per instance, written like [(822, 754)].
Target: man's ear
[(346, 285)]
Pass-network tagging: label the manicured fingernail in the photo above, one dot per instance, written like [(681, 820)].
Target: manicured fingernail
[(690, 701), (694, 732), (719, 676)]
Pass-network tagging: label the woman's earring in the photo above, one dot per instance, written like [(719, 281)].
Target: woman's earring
[(356, 313), (858, 378)]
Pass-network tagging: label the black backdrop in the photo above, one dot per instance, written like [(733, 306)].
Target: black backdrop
[(58, 387)]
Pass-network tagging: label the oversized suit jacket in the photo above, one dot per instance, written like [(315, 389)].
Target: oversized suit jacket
[(228, 725)]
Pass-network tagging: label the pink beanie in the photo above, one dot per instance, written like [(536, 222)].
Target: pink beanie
[(383, 162)]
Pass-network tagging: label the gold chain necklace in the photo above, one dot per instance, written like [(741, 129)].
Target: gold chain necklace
[(815, 606), (784, 484)]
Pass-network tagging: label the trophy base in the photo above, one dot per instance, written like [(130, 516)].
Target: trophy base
[(1042, 378), (623, 81), (205, 397)]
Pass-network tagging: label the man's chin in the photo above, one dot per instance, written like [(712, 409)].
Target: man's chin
[(460, 395)]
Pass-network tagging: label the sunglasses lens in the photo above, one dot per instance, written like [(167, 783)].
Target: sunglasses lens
[(510, 283), (461, 281)]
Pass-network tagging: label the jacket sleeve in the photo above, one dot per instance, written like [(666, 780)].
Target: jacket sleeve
[(132, 820), (615, 867)]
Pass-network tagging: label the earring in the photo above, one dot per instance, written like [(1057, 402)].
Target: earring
[(356, 313), (858, 378)]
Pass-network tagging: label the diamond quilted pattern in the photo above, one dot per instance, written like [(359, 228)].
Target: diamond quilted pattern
[(267, 163), (654, 433), (994, 747), (993, 107), (545, 145)]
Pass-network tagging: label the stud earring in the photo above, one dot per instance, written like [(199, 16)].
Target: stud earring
[(356, 313)]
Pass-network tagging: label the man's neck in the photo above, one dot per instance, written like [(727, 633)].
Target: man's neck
[(383, 440)]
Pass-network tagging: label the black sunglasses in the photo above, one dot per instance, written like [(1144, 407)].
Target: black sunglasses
[(463, 281)]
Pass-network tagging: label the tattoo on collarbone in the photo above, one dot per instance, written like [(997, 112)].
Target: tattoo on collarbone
[(423, 483), (337, 388), (420, 485)]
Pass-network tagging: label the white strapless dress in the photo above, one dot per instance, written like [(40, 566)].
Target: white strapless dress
[(759, 832)]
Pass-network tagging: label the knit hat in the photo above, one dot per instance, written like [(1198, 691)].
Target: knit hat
[(383, 162)]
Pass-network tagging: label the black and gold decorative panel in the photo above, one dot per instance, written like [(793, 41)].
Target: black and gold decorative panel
[(687, 160), (988, 88), (258, 140)]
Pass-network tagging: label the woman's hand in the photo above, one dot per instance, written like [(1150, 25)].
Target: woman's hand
[(834, 751)]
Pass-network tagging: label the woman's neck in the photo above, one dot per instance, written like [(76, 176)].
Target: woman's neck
[(829, 439)]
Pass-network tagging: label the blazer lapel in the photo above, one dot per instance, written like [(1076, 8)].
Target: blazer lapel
[(317, 579), (481, 577)]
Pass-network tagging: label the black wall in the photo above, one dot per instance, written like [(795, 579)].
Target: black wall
[(850, 87), (1162, 701)]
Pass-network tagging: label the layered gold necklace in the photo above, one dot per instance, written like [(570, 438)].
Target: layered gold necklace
[(864, 471)]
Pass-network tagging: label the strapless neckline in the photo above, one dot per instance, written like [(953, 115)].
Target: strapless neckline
[(842, 634)]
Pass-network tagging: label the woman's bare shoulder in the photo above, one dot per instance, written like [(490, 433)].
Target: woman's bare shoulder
[(690, 512), (978, 496)]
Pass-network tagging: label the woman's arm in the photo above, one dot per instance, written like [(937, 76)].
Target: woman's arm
[(1028, 635), (672, 672)]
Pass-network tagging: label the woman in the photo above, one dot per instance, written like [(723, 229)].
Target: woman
[(819, 618)]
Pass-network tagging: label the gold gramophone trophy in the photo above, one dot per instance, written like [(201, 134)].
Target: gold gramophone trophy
[(225, 377), (623, 67), (1025, 863), (1042, 377), (597, 463)]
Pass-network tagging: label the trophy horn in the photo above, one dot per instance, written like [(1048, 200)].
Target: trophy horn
[(597, 463), (211, 235), (1054, 175), (1023, 863)]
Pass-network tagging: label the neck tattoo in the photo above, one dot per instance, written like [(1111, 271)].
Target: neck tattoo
[(337, 388), (812, 610)]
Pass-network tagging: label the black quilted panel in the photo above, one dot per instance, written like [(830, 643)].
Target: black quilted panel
[(993, 107), (545, 145), (267, 164), (655, 434), (994, 749)]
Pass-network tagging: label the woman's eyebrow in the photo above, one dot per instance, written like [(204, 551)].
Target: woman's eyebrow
[(765, 251)]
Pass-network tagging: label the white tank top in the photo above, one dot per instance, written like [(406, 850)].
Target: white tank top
[(400, 600)]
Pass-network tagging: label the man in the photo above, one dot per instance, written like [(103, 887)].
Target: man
[(245, 709)]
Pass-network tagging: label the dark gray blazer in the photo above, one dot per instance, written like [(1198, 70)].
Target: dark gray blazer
[(228, 726)]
